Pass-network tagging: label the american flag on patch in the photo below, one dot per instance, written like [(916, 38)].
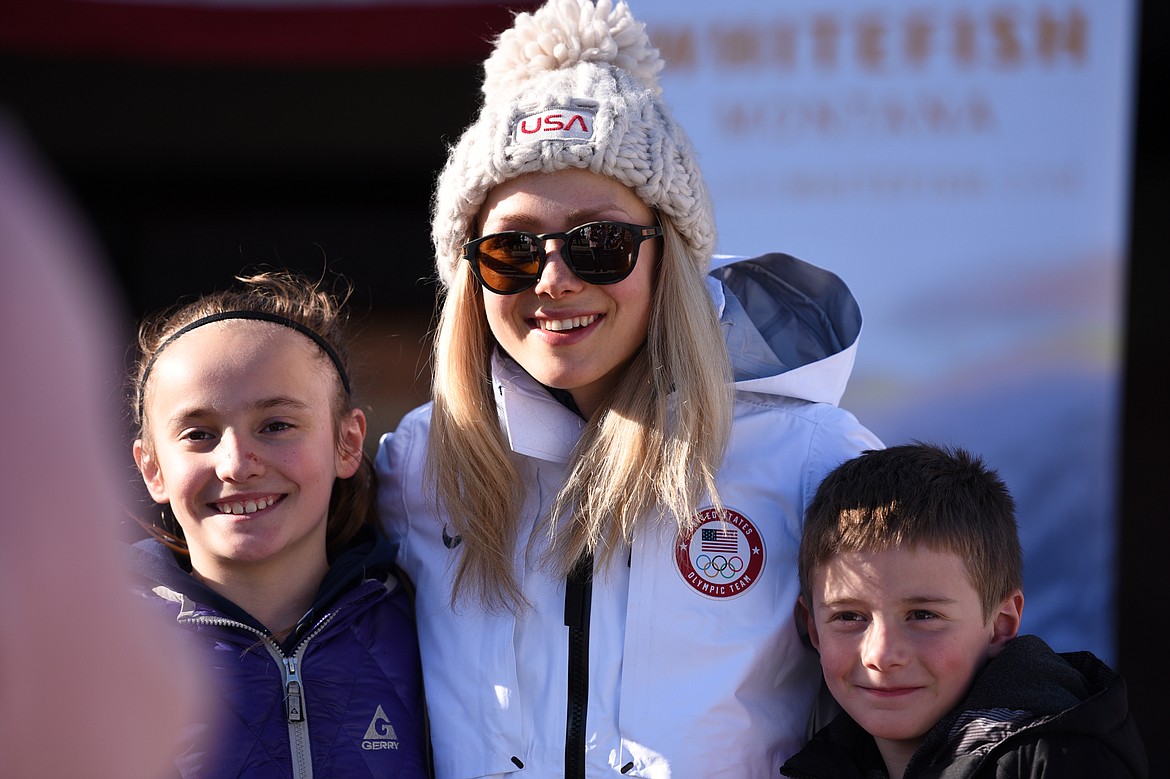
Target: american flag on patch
[(719, 540)]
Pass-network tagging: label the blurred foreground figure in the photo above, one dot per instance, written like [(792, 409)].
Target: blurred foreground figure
[(88, 687)]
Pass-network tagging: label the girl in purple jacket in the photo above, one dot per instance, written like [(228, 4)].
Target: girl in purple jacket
[(267, 554)]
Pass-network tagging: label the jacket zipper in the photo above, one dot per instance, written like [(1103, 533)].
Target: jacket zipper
[(298, 723), (294, 695), (578, 597)]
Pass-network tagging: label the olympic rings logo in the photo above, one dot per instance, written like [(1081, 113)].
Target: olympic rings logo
[(719, 565), (723, 556)]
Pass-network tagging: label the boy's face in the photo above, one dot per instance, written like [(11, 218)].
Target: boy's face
[(901, 634)]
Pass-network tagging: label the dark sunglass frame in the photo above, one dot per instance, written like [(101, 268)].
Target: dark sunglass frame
[(575, 251)]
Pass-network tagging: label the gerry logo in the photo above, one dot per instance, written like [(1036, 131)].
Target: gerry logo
[(557, 124), (380, 734)]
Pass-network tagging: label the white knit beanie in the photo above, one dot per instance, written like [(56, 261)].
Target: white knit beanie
[(573, 85)]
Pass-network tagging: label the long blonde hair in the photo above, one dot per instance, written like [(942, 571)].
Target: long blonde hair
[(651, 451)]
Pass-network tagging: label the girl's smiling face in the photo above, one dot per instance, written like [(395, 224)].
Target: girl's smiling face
[(244, 447), (565, 332)]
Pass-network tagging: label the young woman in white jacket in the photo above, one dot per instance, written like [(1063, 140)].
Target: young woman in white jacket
[(601, 506)]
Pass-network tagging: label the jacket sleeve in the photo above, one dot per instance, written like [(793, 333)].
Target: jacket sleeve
[(838, 437), (399, 465)]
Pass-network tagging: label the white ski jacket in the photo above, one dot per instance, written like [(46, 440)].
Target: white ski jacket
[(695, 665)]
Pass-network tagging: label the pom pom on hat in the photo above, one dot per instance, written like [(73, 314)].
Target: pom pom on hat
[(573, 85), (566, 32)]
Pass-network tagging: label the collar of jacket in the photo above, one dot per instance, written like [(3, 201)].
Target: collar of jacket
[(536, 424)]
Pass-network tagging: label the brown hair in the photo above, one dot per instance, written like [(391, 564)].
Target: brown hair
[(918, 494)]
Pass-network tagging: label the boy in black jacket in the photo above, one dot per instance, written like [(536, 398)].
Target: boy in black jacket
[(911, 578)]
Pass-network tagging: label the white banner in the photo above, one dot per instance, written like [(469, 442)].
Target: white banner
[(965, 168)]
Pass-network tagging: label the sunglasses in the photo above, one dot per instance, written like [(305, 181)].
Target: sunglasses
[(598, 252)]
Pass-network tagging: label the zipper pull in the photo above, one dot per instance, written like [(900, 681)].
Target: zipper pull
[(293, 703)]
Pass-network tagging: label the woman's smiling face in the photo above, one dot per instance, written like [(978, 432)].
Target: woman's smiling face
[(567, 333)]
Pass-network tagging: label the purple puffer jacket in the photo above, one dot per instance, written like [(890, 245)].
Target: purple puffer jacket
[(341, 697)]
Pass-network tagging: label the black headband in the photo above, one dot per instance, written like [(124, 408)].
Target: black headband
[(263, 316)]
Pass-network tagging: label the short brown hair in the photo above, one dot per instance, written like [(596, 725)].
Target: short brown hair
[(915, 494)]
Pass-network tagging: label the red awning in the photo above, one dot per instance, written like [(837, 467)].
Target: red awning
[(317, 32)]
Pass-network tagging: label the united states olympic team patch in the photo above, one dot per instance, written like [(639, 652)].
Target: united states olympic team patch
[(721, 557)]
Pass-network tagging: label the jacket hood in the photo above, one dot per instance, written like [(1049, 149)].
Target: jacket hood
[(791, 328), (1074, 695), (1029, 676)]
